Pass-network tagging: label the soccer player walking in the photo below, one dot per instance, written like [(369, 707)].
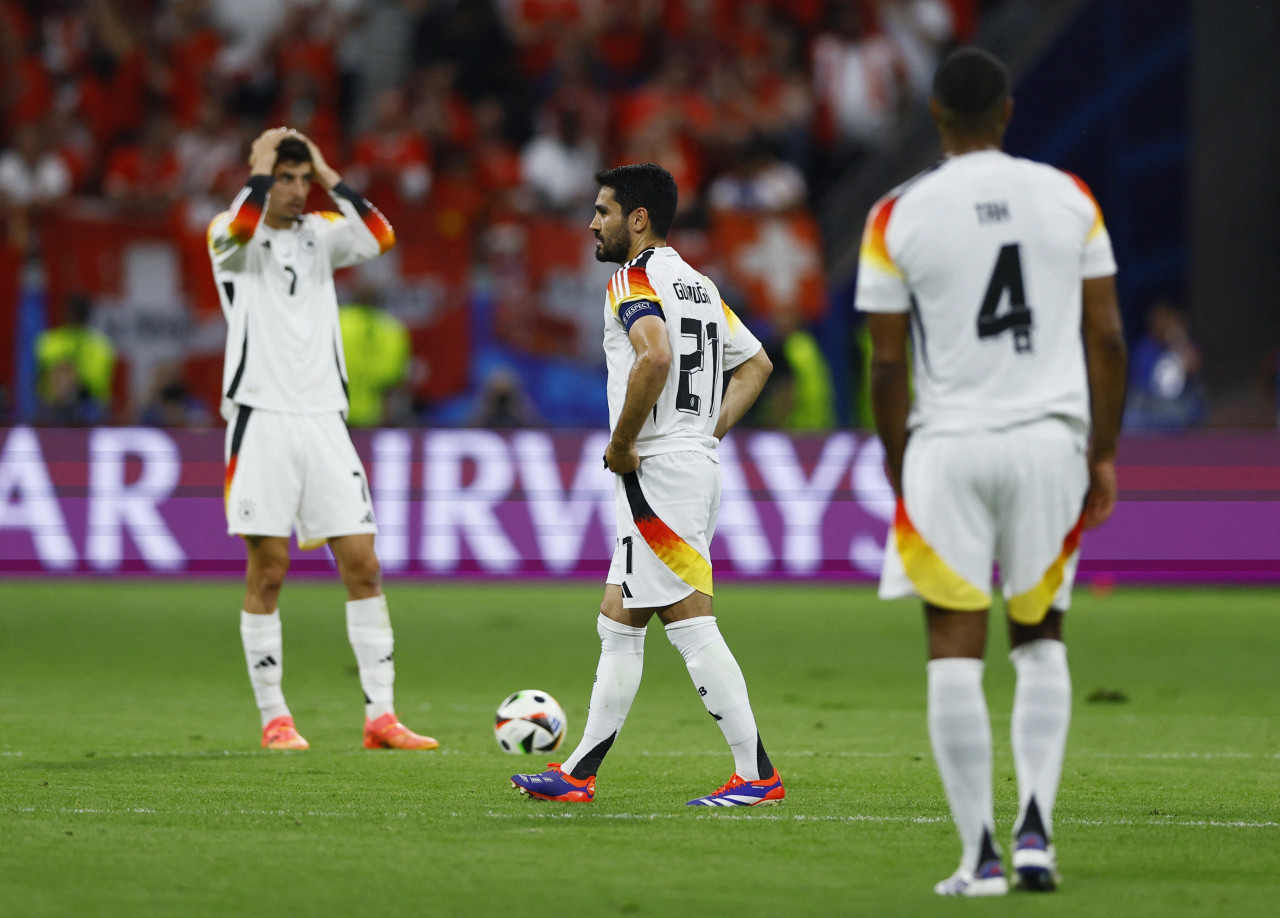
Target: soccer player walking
[(669, 340), (290, 461), (1000, 271)]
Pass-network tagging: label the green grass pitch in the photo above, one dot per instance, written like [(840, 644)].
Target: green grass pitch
[(131, 781)]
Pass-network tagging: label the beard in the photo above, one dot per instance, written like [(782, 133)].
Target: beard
[(613, 248)]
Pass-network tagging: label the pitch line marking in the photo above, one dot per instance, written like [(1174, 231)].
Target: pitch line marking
[(910, 820), (1183, 755), (231, 753), (641, 817)]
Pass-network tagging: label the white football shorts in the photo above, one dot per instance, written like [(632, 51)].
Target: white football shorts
[(666, 517), (1010, 497), (294, 471)]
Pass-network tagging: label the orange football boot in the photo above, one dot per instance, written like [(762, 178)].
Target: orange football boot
[(388, 733), (282, 734)]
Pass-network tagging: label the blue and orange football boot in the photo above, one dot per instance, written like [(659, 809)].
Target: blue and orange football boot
[(554, 784), (987, 880), (1035, 863), (738, 791)]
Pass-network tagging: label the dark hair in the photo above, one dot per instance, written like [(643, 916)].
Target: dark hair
[(644, 185), (971, 87), (292, 150)]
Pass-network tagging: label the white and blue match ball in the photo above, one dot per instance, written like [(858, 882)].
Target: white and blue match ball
[(530, 721)]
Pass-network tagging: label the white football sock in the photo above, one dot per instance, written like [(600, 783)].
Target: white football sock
[(719, 681), (617, 681), (1041, 717), (263, 652), (369, 630), (960, 732)]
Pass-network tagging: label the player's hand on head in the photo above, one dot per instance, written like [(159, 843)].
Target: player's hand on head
[(262, 153), (327, 175)]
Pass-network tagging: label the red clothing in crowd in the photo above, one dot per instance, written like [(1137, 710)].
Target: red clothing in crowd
[(191, 57), (114, 105), (134, 170)]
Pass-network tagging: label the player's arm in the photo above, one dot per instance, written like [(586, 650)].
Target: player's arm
[(744, 388), (890, 389), (883, 294), (648, 336), (366, 233), (747, 368), (1106, 359), (231, 231)]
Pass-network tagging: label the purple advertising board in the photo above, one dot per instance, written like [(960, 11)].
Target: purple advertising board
[(532, 503)]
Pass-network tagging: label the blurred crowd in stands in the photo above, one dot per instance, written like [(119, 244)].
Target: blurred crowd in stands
[(469, 123)]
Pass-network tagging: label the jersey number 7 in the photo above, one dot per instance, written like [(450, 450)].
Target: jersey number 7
[(1007, 276)]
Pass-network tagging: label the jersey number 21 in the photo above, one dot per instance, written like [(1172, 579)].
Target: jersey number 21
[(694, 362)]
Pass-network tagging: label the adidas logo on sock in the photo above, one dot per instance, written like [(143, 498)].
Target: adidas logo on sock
[(266, 662)]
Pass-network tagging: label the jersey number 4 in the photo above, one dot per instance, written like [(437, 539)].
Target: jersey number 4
[(695, 362), (1007, 277)]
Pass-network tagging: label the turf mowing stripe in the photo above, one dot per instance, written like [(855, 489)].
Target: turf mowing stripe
[(781, 756)]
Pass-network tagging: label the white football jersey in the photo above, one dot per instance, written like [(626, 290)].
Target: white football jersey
[(707, 340), (284, 345), (988, 253)]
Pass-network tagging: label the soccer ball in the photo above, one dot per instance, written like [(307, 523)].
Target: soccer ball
[(529, 721)]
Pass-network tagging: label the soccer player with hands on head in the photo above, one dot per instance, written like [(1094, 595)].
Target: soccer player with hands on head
[(290, 462), (999, 271), (669, 341)]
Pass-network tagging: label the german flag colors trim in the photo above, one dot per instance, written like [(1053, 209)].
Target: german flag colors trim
[(732, 321), (1098, 225), (247, 208), (1030, 608), (673, 551), (630, 283), (875, 249), (237, 438), (372, 217), (935, 580)]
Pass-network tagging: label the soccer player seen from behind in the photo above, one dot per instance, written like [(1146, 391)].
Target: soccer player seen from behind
[(1000, 272), (290, 463), (669, 341)]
